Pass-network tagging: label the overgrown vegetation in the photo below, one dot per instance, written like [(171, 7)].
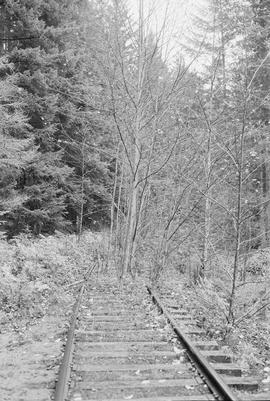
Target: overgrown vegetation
[(40, 273), (101, 126)]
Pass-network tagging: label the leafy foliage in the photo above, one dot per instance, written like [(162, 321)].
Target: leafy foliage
[(37, 273)]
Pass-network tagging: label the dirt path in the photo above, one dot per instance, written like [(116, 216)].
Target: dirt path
[(29, 359)]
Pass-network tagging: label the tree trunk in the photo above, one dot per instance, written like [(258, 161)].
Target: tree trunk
[(131, 231), (131, 235), (80, 219), (265, 212), (207, 210), (238, 220), (113, 205)]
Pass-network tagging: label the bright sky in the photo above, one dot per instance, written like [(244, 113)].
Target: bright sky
[(179, 17)]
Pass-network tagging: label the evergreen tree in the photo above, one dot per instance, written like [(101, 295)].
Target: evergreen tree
[(46, 43), (16, 148)]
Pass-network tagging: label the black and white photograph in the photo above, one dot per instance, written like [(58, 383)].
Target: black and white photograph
[(135, 200)]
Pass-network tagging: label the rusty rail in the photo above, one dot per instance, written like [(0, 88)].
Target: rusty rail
[(218, 387), (61, 389)]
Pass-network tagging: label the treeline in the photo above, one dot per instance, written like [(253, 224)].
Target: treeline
[(193, 157), (55, 134), (101, 126)]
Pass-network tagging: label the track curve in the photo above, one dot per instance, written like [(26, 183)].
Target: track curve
[(122, 348)]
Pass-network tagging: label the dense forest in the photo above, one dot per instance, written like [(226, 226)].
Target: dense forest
[(101, 128), (53, 127)]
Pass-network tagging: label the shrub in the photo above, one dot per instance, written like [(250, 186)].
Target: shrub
[(37, 272), (259, 262)]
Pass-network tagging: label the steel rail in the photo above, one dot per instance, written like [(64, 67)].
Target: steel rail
[(61, 389), (214, 381)]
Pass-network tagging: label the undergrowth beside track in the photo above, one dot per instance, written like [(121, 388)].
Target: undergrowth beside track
[(40, 280), (248, 338), (37, 273)]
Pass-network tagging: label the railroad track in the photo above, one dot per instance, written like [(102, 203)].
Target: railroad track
[(120, 351)]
